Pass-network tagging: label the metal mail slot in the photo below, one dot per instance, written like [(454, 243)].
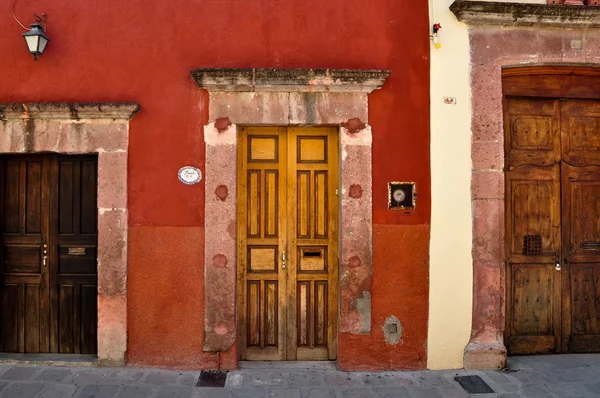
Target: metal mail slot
[(312, 253), (590, 245), (76, 251)]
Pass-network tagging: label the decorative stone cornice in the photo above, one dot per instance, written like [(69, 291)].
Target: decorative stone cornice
[(520, 14), (74, 111), (290, 80)]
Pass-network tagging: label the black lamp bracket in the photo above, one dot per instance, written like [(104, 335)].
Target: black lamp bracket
[(42, 21)]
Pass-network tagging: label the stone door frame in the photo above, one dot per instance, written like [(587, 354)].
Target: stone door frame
[(538, 37), (287, 97), (88, 128)]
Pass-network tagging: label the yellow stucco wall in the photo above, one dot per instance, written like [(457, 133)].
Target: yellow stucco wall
[(450, 297), (451, 276)]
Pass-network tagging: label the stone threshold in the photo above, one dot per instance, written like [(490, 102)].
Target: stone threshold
[(82, 360), (522, 14), (297, 365)]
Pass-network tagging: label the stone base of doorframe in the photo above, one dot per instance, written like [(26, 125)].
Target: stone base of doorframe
[(88, 128), (485, 355), (284, 97)]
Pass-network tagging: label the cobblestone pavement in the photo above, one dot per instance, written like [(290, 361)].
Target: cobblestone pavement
[(533, 377)]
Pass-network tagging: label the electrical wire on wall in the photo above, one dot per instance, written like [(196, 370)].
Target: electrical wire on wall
[(39, 20), (435, 26), (15, 15)]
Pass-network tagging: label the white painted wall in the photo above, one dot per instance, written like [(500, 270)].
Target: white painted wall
[(451, 286)]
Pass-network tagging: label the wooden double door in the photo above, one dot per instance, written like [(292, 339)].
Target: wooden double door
[(48, 241), (287, 243), (552, 225)]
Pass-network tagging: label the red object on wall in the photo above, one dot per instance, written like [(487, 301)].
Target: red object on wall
[(143, 51)]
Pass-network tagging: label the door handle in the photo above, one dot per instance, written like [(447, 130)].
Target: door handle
[(282, 260), (557, 265), (45, 256)]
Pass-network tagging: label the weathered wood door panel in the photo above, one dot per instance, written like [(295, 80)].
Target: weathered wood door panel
[(76, 248), (262, 225), (25, 284), (312, 242), (580, 132), (581, 258), (287, 243), (552, 225), (532, 132), (533, 246), (49, 295)]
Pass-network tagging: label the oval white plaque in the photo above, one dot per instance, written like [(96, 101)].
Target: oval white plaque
[(189, 175)]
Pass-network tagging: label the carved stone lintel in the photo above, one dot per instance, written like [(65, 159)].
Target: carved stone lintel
[(74, 111), (521, 14), (290, 80)]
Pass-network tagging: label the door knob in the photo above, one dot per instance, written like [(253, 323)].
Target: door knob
[(283, 260), (557, 265)]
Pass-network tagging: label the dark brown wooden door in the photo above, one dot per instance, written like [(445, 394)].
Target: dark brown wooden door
[(552, 225), (581, 258), (48, 245)]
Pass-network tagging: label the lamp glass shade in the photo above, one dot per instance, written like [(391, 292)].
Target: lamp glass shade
[(42, 44), (36, 39), (32, 43)]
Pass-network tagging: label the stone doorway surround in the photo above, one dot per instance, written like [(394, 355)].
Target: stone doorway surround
[(88, 128), (504, 35), (287, 97)]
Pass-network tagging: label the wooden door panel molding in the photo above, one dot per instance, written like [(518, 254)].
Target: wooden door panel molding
[(533, 213), (313, 212), (580, 131), (261, 234), (48, 304), (581, 257), (92, 128), (25, 273), (533, 247), (532, 129), (286, 278)]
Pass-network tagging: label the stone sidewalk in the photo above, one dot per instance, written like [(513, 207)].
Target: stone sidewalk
[(533, 377)]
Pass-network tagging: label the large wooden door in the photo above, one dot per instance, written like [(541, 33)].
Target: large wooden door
[(287, 243), (553, 225), (48, 245)]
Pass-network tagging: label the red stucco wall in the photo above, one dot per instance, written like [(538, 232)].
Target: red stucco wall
[(143, 51)]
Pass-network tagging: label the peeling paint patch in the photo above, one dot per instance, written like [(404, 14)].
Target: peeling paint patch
[(392, 330), (222, 124), (220, 260), (221, 192), (363, 305), (354, 125), (356, 191), (354, 262)]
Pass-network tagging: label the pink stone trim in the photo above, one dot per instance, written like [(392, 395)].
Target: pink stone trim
[(220, 238), (488, 56), (54, 128), (356, 227)]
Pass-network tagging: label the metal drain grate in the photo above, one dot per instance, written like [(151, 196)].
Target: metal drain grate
[(212, 378), (473, 385)]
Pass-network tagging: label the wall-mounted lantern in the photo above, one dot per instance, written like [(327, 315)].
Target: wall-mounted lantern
[(36, 39)]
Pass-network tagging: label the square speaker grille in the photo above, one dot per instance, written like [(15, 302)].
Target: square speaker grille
[(532, 245)]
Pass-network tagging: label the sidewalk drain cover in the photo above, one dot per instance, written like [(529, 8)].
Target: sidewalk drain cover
[(473, 384), (212, 378)]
